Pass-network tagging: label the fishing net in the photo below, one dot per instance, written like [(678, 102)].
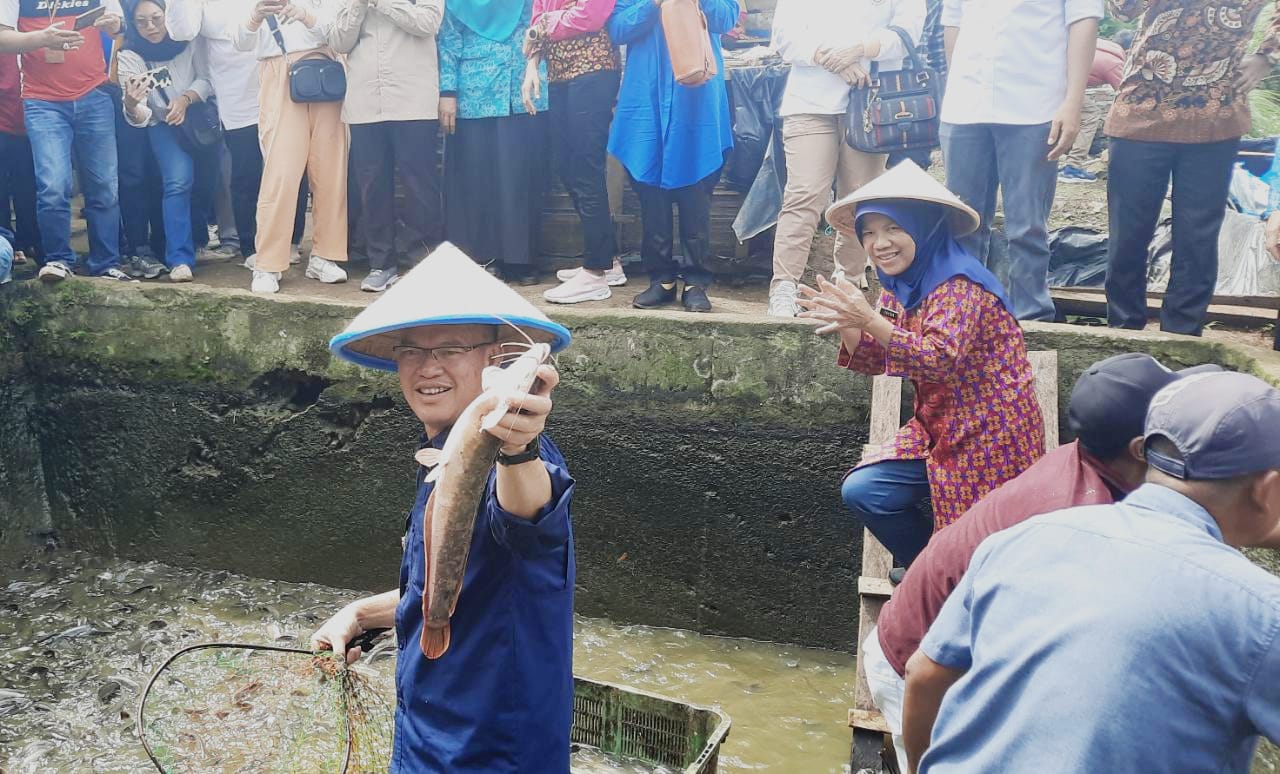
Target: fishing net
[(220, 707)]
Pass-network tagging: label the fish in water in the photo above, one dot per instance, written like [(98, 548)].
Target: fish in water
[(460, 471)]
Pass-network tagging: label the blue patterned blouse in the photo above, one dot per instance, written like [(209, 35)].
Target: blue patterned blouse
[(484, 75)]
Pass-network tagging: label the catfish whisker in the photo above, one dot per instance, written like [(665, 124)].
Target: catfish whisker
[(518, 329)]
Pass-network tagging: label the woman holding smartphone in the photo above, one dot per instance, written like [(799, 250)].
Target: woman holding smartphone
[(148, 59), (296, 138)]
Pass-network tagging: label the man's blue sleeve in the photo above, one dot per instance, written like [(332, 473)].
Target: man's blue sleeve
[(546, 531), (1262, 702)]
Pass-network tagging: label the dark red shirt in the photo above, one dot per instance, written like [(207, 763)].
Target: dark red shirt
[(1064, 478), (10, 96)]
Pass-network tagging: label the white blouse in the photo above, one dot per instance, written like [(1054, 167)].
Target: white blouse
[(801, 27)]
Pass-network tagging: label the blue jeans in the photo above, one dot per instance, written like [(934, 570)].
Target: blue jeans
[(85, 126), (981, 158), (6, 261), (178, 174), (887, 497)]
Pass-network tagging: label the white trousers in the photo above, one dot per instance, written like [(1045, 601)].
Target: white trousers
[(887, 689)]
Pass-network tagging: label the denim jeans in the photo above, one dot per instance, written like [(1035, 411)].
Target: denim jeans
[(981, 158), (178, 173), (887, 497), (85, 127), (6, 261), (1137, 180), (18, 186)]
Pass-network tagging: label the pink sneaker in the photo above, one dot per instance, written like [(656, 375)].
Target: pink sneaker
[(582, 286)]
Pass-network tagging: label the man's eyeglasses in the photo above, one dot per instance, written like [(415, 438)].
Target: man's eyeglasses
[(412, 356)]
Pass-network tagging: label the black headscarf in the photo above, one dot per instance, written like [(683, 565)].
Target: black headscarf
[(163, 51)]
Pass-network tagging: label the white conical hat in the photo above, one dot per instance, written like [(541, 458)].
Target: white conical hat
[(446, 288), (905, 181)]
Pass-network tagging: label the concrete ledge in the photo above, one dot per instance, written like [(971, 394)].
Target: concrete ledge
[(211, 427)]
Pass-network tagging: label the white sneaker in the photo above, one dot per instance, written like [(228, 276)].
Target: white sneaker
[(54, 271), (582, 286), (615, 276), (214, 240), (180, 273), (325, 270), (782, 300), (265, 282), (250, 261), (295, 255)]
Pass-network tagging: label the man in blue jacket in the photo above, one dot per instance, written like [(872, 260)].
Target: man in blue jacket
[(500, 699)]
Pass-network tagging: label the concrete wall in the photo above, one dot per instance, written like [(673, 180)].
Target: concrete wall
[(212, 428)]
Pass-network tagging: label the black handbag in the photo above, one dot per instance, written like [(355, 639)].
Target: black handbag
[(201, 131), (201, 128), (315, 77), (898, 109)]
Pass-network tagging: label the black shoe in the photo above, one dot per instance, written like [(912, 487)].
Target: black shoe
[(695, 299), (655, 296), (897, 574)]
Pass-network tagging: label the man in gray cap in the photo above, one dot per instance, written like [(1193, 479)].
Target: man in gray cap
[(1126, 637)]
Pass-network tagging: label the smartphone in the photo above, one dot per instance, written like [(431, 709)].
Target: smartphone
[(87, 18)]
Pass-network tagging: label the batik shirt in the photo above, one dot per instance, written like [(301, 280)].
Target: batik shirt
[(976, 422), (1179, 82)]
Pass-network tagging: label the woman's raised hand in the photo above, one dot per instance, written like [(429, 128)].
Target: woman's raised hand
[(837, 305)]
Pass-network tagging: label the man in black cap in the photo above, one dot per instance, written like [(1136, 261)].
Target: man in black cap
[(1107, 409), (1125, 637)]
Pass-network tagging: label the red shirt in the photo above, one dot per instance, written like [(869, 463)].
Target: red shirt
[(1108, 65), (1064, 478), (10, 96), (80, 71)]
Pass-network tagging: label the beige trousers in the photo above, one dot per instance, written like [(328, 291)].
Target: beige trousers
[(817, 155), (299, 138), (1093, 111)]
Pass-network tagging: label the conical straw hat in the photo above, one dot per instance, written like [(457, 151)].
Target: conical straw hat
[(905, 181), (446, 288)]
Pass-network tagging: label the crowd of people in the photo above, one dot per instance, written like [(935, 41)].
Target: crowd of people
[(179, 114), (513, 88)]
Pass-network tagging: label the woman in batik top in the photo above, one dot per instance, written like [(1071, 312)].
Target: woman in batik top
[(943, 322)]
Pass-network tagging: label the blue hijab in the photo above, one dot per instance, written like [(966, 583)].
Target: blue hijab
[(164, 51), (491, 19), (939, 257)]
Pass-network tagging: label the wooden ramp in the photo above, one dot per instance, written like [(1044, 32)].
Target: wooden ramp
[(872, 748)]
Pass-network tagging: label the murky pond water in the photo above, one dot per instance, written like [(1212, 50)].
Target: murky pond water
[(80, 636)]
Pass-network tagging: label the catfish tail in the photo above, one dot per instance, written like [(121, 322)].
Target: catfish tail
[(435, 641)]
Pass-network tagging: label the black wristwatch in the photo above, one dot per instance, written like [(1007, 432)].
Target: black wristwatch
[(531, 452)]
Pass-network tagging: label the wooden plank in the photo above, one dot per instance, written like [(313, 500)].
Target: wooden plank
[(1044, 367), (871, 721), (878, 587), (1261, 302), (886, 409), (1089, 304)]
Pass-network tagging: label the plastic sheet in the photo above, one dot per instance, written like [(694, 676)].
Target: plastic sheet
[(1077, 258), (756, 93), (1244, 266), (1248, 193)]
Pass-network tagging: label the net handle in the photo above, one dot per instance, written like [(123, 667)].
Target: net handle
[(142, 700)]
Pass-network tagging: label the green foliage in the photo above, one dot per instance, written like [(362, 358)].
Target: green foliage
[(1264, 101), (1109, 26)]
